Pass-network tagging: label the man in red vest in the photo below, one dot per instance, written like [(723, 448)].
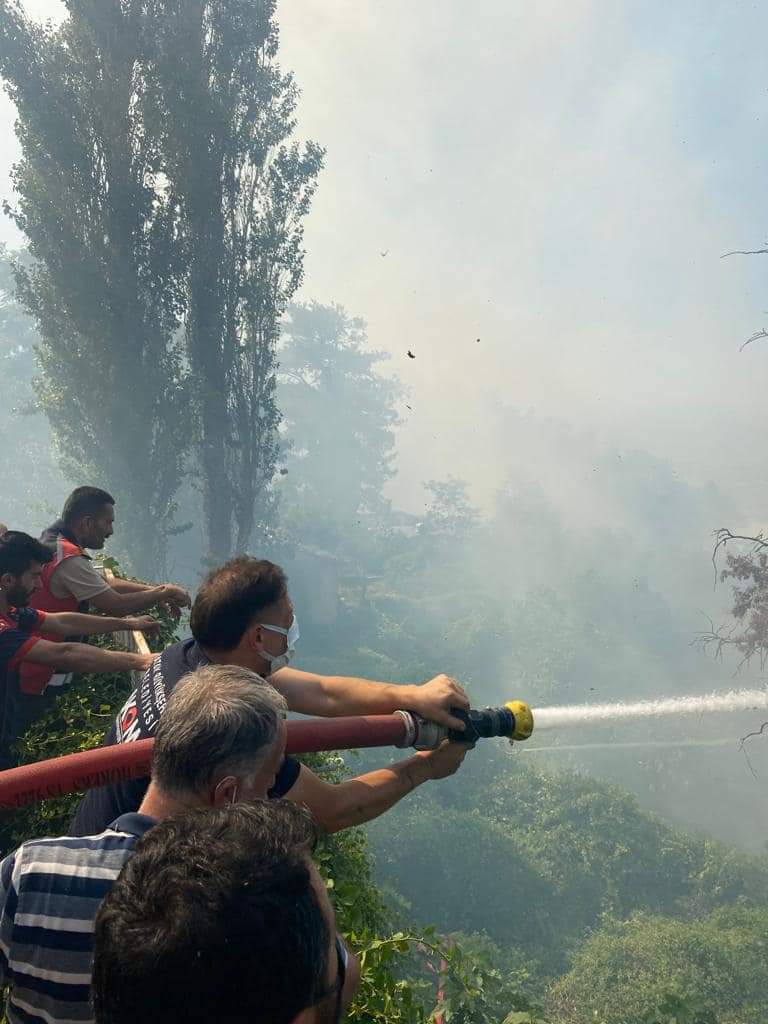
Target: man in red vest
[(71, 583), (22, 559)]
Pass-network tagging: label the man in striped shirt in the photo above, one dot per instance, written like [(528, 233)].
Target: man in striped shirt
[(221, 740)]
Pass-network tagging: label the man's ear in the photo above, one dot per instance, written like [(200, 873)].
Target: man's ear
[(7, 580), (225, 792), (254, 635)]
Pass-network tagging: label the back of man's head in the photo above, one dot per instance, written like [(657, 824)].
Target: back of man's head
[(219, 720), (232, 598), (85, 501), (19, 551), (215, 918)]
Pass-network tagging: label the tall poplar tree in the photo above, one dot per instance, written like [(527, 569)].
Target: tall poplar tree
[(225, 112), (104, 286)]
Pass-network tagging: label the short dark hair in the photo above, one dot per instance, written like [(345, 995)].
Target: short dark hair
[(232, 597), (214, 918), (18, 551), (219, 719), (85, 501)]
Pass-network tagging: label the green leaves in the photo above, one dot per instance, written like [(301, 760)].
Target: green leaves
[(674, 1010), (411, 978), (704, 970)]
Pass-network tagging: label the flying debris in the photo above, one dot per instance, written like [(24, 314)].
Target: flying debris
[(384, 253), (411, 355)]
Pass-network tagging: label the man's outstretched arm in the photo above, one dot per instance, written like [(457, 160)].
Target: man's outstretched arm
[(178, 597), (69, 657), (356, 801), (113, 602), (75, 624), (335, 696)]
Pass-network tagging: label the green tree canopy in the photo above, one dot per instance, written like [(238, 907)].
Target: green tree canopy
[(223, 112), (339, 414), (623, 969)]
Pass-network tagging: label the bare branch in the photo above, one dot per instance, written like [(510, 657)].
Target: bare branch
[(745, 252), (719, 638), (755, 337), (743, 749)]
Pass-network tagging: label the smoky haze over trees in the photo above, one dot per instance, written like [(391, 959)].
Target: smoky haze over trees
[(180, 365)]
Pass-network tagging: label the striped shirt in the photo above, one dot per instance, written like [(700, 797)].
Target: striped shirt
[(50, 892)]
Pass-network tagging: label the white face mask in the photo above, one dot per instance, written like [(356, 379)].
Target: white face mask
[(278, 661)]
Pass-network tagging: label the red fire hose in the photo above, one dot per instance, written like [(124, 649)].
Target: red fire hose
[(108, 765)]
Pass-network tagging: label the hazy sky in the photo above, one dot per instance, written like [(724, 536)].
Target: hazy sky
[(559, 180)]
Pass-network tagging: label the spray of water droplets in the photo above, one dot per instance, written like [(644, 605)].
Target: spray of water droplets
[(734, 700), (634, 745)]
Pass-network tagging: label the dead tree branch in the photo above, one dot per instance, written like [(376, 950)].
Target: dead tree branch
[(743, 749), (745, 252), (755, 337)]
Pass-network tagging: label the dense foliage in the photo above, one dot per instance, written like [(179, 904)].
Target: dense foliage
[(554, 855), (716, 962)]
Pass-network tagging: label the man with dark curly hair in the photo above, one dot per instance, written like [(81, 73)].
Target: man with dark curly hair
[(221, 915)]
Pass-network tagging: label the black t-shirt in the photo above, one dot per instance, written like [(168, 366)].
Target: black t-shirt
[(19, 631), (137, 720)]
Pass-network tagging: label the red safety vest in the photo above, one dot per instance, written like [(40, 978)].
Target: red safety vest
[(43, 598), (33, 679)]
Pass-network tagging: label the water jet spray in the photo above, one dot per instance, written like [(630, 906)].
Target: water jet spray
[(712, 704)]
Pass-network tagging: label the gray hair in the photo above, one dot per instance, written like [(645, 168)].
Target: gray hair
[(219, 720)]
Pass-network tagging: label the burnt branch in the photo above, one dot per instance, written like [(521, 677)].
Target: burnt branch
[(743, 748), (745, 252), (755, 337), (716, 639)]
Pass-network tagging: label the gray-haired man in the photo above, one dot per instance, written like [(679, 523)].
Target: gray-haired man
[(221, 739)]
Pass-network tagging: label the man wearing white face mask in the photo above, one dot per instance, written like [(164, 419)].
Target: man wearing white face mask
[(243, 615)]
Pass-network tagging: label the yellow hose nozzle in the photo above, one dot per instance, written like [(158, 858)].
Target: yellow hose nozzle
[(523, 719)]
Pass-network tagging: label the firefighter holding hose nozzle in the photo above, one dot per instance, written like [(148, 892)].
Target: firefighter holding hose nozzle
[(243, 615)]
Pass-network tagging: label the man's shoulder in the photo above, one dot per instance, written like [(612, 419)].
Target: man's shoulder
[(76, 572), (24, 619), (19, 631), (8, 621), (63, 878), (178, 659), (74, 855), (30, 619)]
